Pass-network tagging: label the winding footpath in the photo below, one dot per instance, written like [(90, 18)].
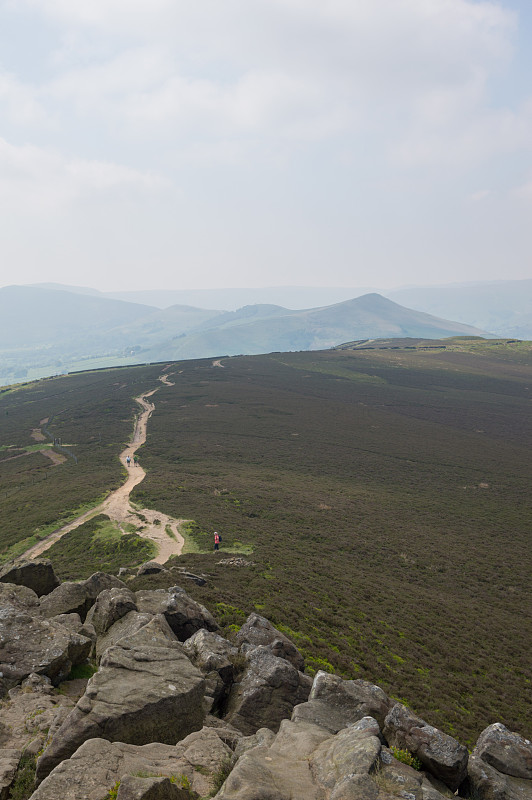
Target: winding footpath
[(117, 506)]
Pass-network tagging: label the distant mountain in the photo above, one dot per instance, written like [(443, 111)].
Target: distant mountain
[(44, 330), (501, 307), (369, 316)]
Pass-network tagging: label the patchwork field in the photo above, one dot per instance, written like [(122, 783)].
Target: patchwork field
[(383, 495)]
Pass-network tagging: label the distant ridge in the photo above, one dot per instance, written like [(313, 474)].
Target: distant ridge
[(47, 331)]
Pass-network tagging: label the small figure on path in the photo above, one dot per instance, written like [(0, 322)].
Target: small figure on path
[(135, 461), (217, 540), (128, 460)]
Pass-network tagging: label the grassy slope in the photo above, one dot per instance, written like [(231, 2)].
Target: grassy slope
[(385, 494), (387, 497), (93, 412)]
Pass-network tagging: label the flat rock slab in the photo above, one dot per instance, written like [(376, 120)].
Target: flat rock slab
[(98, 764), (146, 690)]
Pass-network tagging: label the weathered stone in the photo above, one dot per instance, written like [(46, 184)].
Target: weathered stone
[(352, 751), (484, 782), (398, 779), (335, 703), (150, 789), (110, 606), (77, 598), (37, 575), (124, 627), (214, 656), (8, 767), (227, 733), (146, 690), (150, 568), (442, 755), (98, 764), (506, 751), (27, 716), (184, 615), (19, 597), (258, 630), (264, 737), (267, 692), (31, 644)]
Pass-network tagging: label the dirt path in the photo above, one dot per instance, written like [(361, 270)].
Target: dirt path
[(146, 522), (218, 363)]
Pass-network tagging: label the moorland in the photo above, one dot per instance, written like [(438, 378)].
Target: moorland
[(380, 497)]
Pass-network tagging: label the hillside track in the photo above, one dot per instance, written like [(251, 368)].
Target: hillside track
[(146, 522)]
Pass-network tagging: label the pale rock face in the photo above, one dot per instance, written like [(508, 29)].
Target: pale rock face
[(110, 606), (98, 764), (184, 615), (146, 690), (506, 751)]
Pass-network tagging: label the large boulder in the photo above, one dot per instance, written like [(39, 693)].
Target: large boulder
[(506, 751), (484, 782), (215, 657), (30, 712), (146, 690), (350, 753), (122, 628), (258, 630), (184, 615), (267, 692), (110, 606), (335, 703), (31, 644), (77, 598), (442, 755), (19, 597), (98, 765), (38, 575)]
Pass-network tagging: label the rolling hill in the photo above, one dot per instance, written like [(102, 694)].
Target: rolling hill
[(44, 331)]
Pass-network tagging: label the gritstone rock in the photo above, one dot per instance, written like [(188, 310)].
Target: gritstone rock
[(484, 782), (214, 656), (132, 788), (31, 644), (334, 703), (146, 690), (98, 764), (266, 693), (77, 598), (442, 755), (19, 597), (258, 630), (8, 767), (506, 751), (184, 615), (110, 606), (38, 575), (126, 626)]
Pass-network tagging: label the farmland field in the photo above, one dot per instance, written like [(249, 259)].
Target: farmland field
[(383, 495)]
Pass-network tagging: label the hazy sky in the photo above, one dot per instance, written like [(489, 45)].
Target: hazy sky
[(212, 143)]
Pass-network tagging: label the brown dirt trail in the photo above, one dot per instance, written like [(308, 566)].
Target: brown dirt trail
[(146, 522)]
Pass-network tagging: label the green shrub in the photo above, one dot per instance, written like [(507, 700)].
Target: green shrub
[(406, 757)]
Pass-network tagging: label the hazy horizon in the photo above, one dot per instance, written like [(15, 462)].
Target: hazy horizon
[(178, 146)]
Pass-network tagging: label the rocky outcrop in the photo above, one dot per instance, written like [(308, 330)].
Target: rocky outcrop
[(335, 703), (215, 657), (37, 575), (98, 765), (267, 692), (184, 615), (146, 690), (442, 755), (258, 630), (19, 597), (110, 606), (124, 627), (30, 644), (77, 598), (500, 766)]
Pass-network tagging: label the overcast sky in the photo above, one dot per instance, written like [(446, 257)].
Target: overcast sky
[(224, 143)]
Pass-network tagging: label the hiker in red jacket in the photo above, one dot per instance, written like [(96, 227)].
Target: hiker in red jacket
[(217, 540)]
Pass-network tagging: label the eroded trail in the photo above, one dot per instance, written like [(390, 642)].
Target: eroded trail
[(160, 528)]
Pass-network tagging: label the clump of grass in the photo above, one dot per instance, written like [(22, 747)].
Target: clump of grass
[(406, 757), (24, 783)]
